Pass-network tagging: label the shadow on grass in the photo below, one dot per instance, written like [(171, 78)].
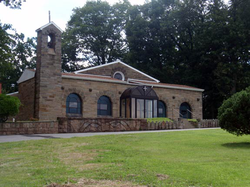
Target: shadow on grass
[(237, 145)]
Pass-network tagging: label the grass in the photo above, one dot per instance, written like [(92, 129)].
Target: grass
[(188, 158)]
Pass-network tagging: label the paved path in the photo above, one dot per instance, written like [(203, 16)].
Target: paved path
[(15, 138)]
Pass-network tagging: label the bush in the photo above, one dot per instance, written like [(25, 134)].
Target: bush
[(159, 120), (194, 122), (8, 106), (234, 113)]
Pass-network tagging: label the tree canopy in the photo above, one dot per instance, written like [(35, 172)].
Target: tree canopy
[(16, 52), (13, 3), (95, 34)]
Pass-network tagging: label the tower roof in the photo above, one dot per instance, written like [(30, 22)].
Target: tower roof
[(48, 24)]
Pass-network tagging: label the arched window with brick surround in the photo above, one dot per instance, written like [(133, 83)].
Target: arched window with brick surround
[(162, 112), (185, 111), (73, 105), (104, 106)]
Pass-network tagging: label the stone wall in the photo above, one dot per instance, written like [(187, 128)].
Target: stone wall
[(26, 95), (77, 125), (81, 125), (209, 123), (32, 127)]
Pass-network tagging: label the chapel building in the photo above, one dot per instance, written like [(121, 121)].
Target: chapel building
[(114, 90)]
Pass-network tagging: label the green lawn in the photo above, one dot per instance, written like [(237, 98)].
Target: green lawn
[(188, 158)]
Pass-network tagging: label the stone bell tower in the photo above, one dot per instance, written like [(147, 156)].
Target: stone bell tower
[(48, 73)]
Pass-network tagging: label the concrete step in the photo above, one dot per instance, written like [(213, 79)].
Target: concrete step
[(186, 124)]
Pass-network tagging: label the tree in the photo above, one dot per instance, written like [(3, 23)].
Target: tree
[(23, 51), (234, 113), (16, 54), (13, 3), (9, 106), (95, 33), (150, 49), (5, 54)]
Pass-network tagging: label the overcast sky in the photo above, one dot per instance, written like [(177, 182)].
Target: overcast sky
[(34, 14)]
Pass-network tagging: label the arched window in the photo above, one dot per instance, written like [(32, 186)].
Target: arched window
[(73, 105), (104, 106), (119, 75), (185, 111), (161, 109)]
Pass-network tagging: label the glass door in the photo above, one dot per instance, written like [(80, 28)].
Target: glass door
[(140, 108), (149, 108)]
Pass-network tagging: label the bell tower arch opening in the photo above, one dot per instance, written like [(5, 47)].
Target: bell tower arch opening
[(51, 41)]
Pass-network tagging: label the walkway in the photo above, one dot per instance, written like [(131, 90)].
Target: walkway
[(15, 138)]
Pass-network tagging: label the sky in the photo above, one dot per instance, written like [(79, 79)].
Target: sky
[(34, 14)]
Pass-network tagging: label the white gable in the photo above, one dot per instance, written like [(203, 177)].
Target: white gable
[(51, 23), (116, 62)]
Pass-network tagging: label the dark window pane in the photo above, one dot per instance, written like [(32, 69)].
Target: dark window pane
[(73, 104), (118, 76), (161, 109), (185, 110), (104, 106)]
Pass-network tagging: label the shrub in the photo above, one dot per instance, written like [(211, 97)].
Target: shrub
[(159, 120), (8, 106), (234, 113), (194, 122)]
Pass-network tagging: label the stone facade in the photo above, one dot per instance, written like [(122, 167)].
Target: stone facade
[(173, 98)]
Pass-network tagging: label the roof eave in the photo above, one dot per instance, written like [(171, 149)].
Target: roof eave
[(124, 82)]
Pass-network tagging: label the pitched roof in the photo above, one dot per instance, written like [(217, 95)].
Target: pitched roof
[(50, 23), (26, 75), (117, 62)]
